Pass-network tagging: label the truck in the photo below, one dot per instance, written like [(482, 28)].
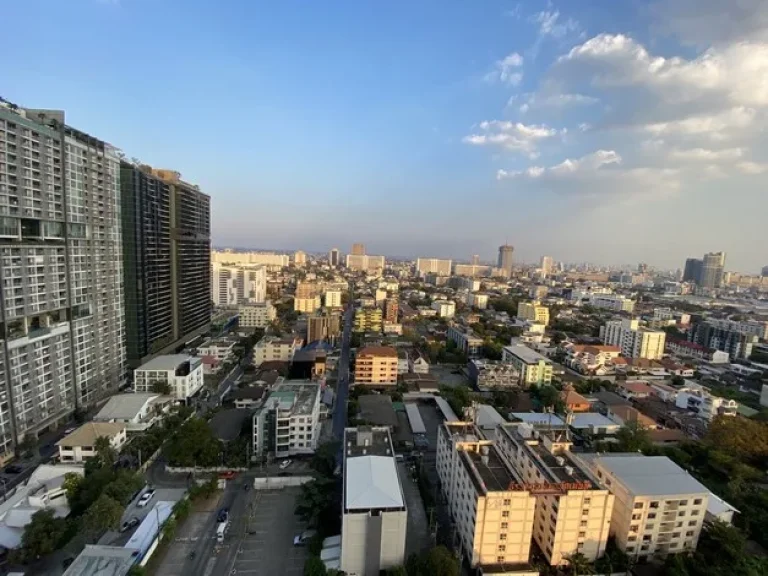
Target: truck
[(221, 528)]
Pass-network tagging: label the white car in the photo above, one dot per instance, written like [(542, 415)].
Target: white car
[(145, 498), (304, 537), (285, 463)]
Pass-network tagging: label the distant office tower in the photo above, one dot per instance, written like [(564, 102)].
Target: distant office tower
[(61, 260), (712, 270), (505, 259), (391, 308), (333, 257), (475, 259), (155, 259), (235, 285), (547, 264), (426, 266), (764, 272), (642, 268), (300, 258), (692, 270), (358, 249)]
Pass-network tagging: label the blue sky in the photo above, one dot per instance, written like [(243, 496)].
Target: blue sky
[(609, 133)]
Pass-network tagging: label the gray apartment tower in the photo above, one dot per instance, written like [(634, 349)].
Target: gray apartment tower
[(167, 261), (505, 259), (61, 272)]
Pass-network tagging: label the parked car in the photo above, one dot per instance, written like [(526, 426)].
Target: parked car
[(129, 524), (304, 537), (285, 463), (145, 498), (223, 515)]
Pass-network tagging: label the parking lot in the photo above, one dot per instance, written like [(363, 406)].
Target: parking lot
[(266, 546)]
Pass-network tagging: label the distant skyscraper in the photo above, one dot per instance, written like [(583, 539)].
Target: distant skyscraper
[(765, 271), (547, 264), (475, 259), (300, 258), (505, 259), (155, 258), (712, 270), (333, 257), (358, 249), (692, 270), (642, 268)]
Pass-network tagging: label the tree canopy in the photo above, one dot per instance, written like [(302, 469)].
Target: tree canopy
[(104, 514), (42, 535), (438, 561), (194, 445)]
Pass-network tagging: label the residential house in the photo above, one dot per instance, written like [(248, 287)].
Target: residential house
[(80, 445)]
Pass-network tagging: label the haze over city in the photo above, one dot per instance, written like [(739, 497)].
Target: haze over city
[(607, 132)]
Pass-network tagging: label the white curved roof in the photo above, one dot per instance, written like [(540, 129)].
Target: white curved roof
[(372, 482)]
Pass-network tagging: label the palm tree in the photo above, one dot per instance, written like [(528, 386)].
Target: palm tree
[(578, 563)]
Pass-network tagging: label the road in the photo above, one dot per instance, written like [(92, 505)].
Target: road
[(342, 383)]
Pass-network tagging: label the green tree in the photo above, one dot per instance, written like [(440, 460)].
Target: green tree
[(315, 500), (194, 445), (42, 535), (124, 486), (578, 563), (438, 561), (314, 567), (106, 455), (137, 570), (161, 388), (104, 514), (632, 437), (396, 571), (743, 438), (72, 485)]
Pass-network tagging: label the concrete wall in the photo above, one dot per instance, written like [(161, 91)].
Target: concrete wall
[(277, 482)]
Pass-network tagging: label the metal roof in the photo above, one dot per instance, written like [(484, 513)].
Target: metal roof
[(651, 475), (124, 406), (166, 362), (371, 482), (590, 419), (103, 561), (538, 418), (445, 408), (414, 419)]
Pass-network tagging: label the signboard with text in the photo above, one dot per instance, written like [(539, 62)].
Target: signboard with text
[(542, 488)]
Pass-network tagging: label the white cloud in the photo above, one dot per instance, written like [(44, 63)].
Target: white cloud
[(717, 126), (550, 24), (557, 101), (507, 70), (706, 155), (752, 168), (513, 136)]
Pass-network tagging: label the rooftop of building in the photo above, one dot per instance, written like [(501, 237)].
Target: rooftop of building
[(377, 409), (247, 393), (609, 398), (127, 406), (648, 475), (294, 396), (370, 470), (591, 420), (166, 362), (218, 342), (546, 419), (89, 432), (525, 354), (98, 560), (494, 474), (378, 351), (367, 440)]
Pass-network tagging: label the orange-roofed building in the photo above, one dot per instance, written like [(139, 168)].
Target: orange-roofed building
[(625, 414), (574, 402), (634, 389)]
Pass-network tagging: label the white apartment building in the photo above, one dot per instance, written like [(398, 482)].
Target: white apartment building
[(573, 511), (182, 373), (479, 301), (274, 348), (533, 367), (222, 349), (437, 266), (749, 327), (659, 508), (288, 423), (62, 271), (417, 363), (332, 299), (257, 315), (234, 285), (705, 405), (444, 308), (80, 445), (615, 302), (307, 305), (493, 511), (634, 340), (374, 515), (270, 260)]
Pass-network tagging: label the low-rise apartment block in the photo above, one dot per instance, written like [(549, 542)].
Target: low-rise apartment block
[(479, 301), (332, 299), (257, 315), (182, 374), (706, 405), (489, 375), (659, 508), (307, 305), (492, 509), (287, 423), (444, 308), (533, 367), (223, 349), (533, 312), (634, 340), (367, 320), (417, 363), (685, 349), (614, 302), (272, 348), (374, 514), (376, 365), (466, 340), (573, 511), (80, 445)]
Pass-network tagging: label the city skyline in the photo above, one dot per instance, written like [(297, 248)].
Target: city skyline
[(522, 130)]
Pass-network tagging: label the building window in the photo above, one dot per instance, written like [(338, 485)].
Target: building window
[(587, 501), (636, 516), (507, 502), (583, 523), (502, 548), (639, 505), (692, 523), (631, 538), (694, 512), (697, 501), (653, 505), (505, 514), (500, 559), (651, 515), (582, 534), (504, 525), (690, 533), (683, 502), (502, 536)]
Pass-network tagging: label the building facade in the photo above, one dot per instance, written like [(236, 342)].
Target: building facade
[(234, 285), (325, 326), (154, 260), (465, 340), (270, 260), (272, 348), (533, 312), (725, 336), (437, 266), (332, 299), (257, 315), (61, 261), (288, 423), (182, 374), (365, 263), (333, 257), (444, 308), (367, 320), (391, 308), (376, 365), (634, 340), (712, 267), (532, 366), (504, 262)]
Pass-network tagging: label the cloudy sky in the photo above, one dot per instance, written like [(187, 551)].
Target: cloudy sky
[(601, 131)]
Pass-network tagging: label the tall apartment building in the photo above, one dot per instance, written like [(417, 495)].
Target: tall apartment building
[(547, 264), (533, 312), (288, 422), (367, 320), (471, 270), (493, 511), (365, 263), (157, 254), (391, 308), (573, 511), (465, 340), (333, 257), (692, 271), (374, 516), (659, 508), (444, 308), (332, 299), (437, 266), (358, 249), (62, 342), (325, 326), (234, 285), (257, 315), (300, 258), (712, 267), (533, 367), (504, 262), (376, 365), (737, 339), (634, 340)]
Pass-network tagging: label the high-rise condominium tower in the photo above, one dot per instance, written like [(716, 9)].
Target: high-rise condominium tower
[(505, 259), (712, 269), (333, 257), (547, 264), (166, 239), (61, 265), (358, 249)]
